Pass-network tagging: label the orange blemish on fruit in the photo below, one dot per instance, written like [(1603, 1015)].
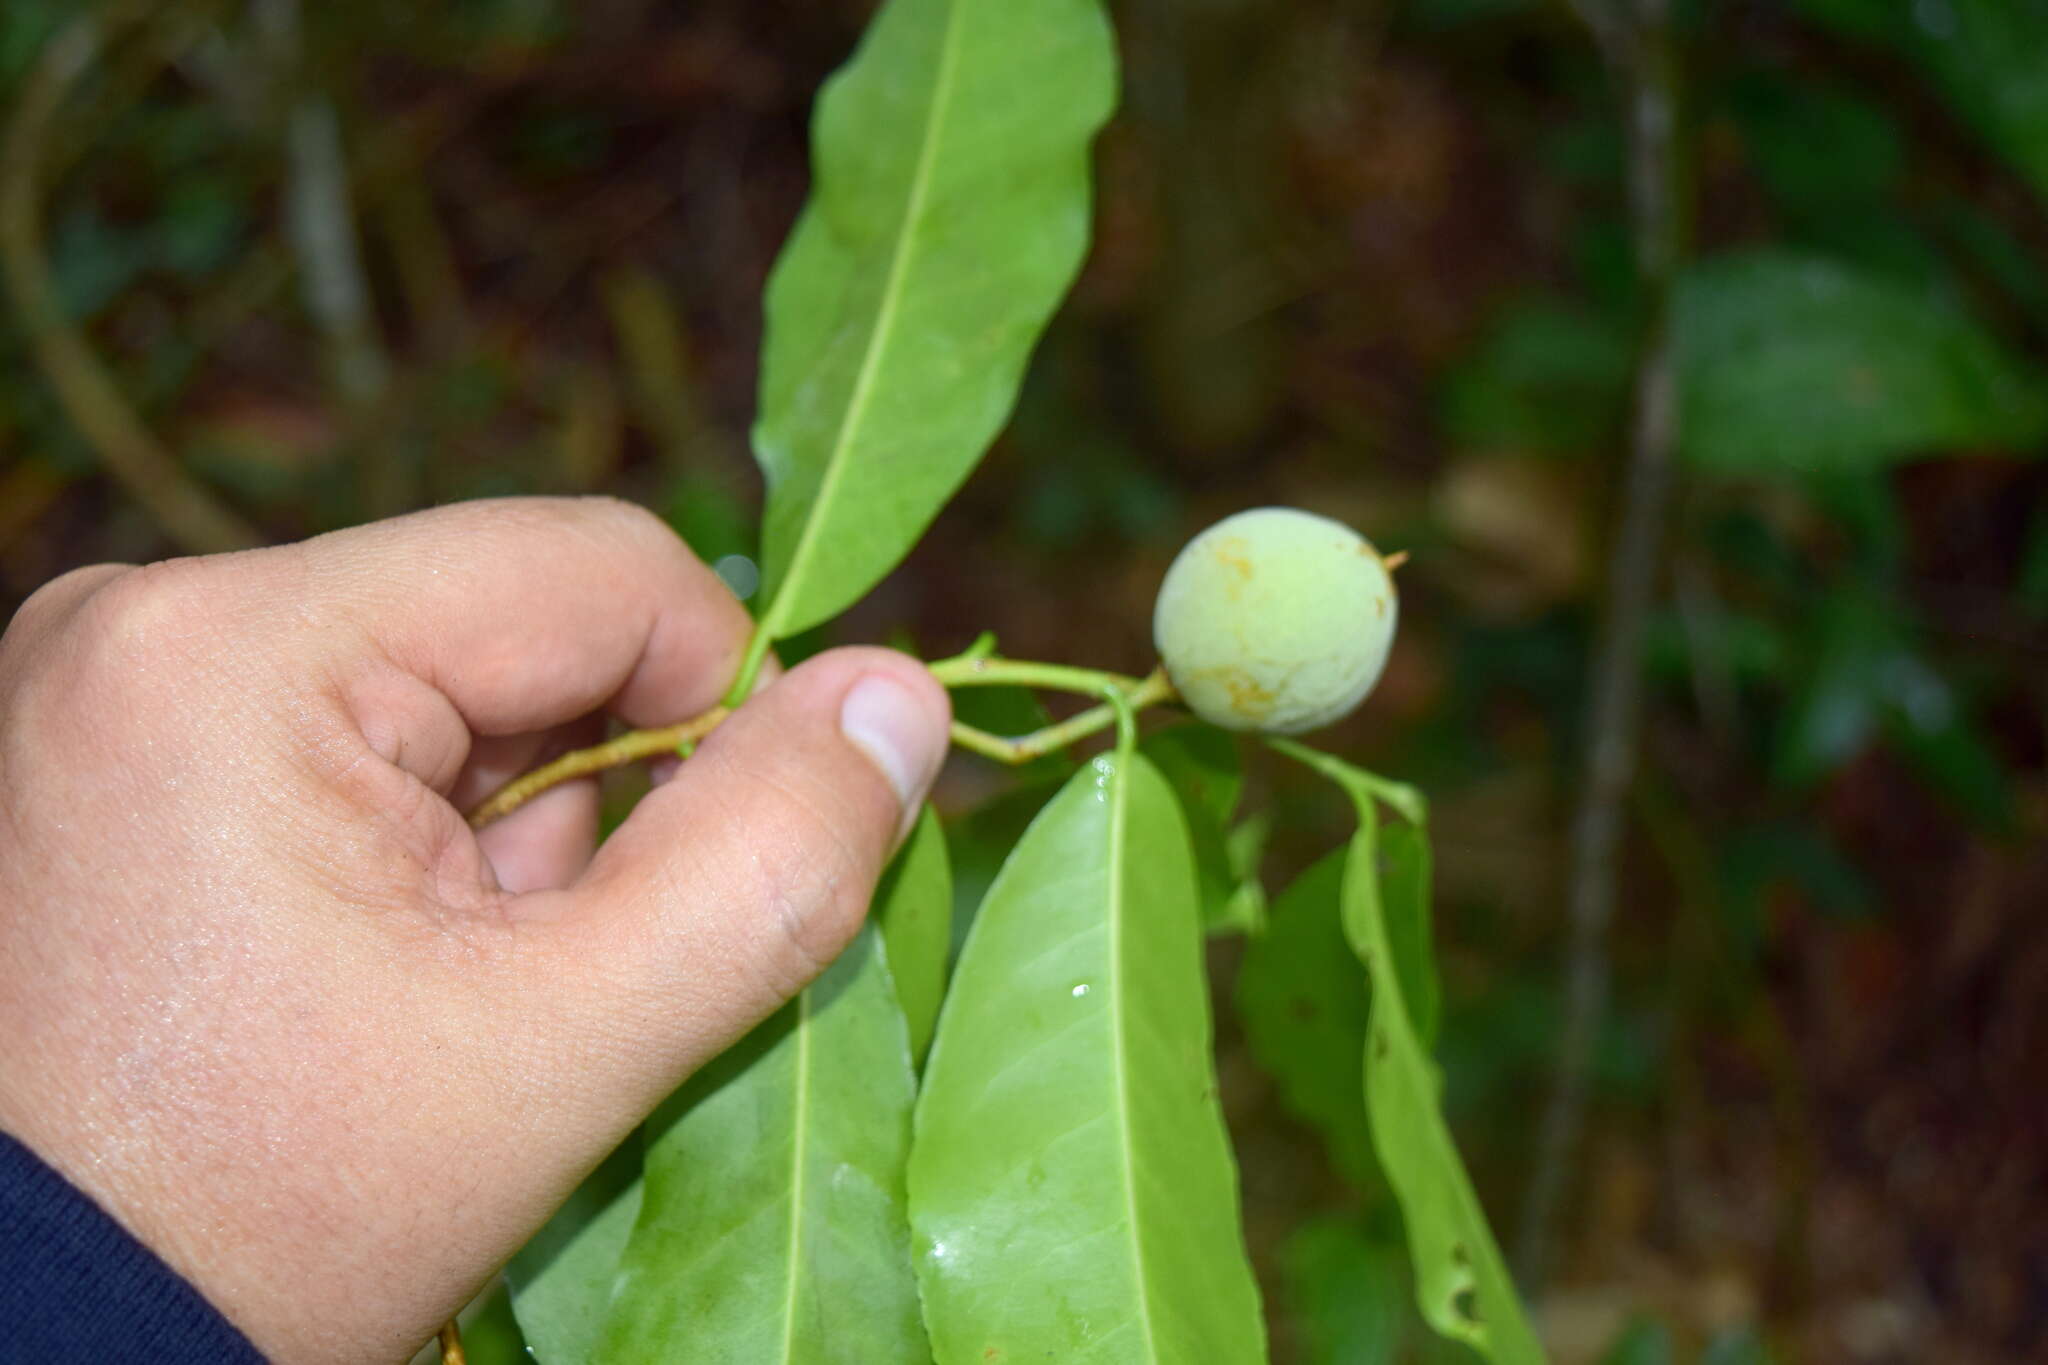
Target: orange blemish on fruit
[(1231, 554), (1248, 696)]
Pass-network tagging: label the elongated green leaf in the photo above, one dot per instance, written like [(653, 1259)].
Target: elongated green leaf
[(1461, 1283), (949, 213), (914, 907), (1404, 889), (562, 1280), (1790, 362), (1244, 848), (1302, 1003), (1073, 1196), (1201, 764), (980, 841), (772, 1229), (1462, 1286), (1348, 1290)]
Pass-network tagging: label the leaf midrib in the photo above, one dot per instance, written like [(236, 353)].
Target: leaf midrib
[(1118, 809), (885, 320), (796, 1183)]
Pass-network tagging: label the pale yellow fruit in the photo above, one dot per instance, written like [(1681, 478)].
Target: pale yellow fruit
[(1275, 619)]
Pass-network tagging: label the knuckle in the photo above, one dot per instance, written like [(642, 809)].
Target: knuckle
[(154, 610), (49, 606), (33, 643), (613, 520), (600, 520), (139, 633)]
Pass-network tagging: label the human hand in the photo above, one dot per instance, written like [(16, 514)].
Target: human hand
[(270, 1001)]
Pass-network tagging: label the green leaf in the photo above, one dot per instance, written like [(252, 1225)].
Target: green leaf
[(772, 1227), (914, 907), (1547, 377), (982, 839), (949, 213), (490, 1332), (1796, 362), (1987, 244), (1462, 1286), (562, 1280), (1989, 56), (1405, 889), (1816, 145), (1832, 161), (1348, 1290), (1244, 848), (1461, 1282), (1201, 764), (1867, 675), (1302, 1003), (1946, 748), (1073, 1196), (1645, 1341)]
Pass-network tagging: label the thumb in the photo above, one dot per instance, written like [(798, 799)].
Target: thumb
[(735, 883)]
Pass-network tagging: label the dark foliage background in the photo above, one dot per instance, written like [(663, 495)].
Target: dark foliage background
[(1367, 258)]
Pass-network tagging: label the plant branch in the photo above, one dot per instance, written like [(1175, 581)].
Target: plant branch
[(1360, 784), (1647, 69), (187, 512), (985, 670), (1154, 688), (965, 670), (627, 748)]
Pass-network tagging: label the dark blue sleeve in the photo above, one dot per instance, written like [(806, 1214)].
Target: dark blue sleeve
[(74, 1286)]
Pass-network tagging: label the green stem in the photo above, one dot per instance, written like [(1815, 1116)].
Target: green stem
[(1361, 785), (982, 670), (1126, 717), (750, 665), (1133, 693), (1127, 696)]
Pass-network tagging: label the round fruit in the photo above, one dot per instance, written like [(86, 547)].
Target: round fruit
[(1275, 619)]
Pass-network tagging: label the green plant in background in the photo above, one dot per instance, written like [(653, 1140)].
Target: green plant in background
[(1016, 1153)]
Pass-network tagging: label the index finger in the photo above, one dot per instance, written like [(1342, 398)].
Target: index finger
[(525, 613)]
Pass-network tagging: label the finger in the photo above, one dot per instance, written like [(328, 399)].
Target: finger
[(732, 885), (547, 842), (525, 613)]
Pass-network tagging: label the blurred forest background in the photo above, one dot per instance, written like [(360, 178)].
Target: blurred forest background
[(275, 269)]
